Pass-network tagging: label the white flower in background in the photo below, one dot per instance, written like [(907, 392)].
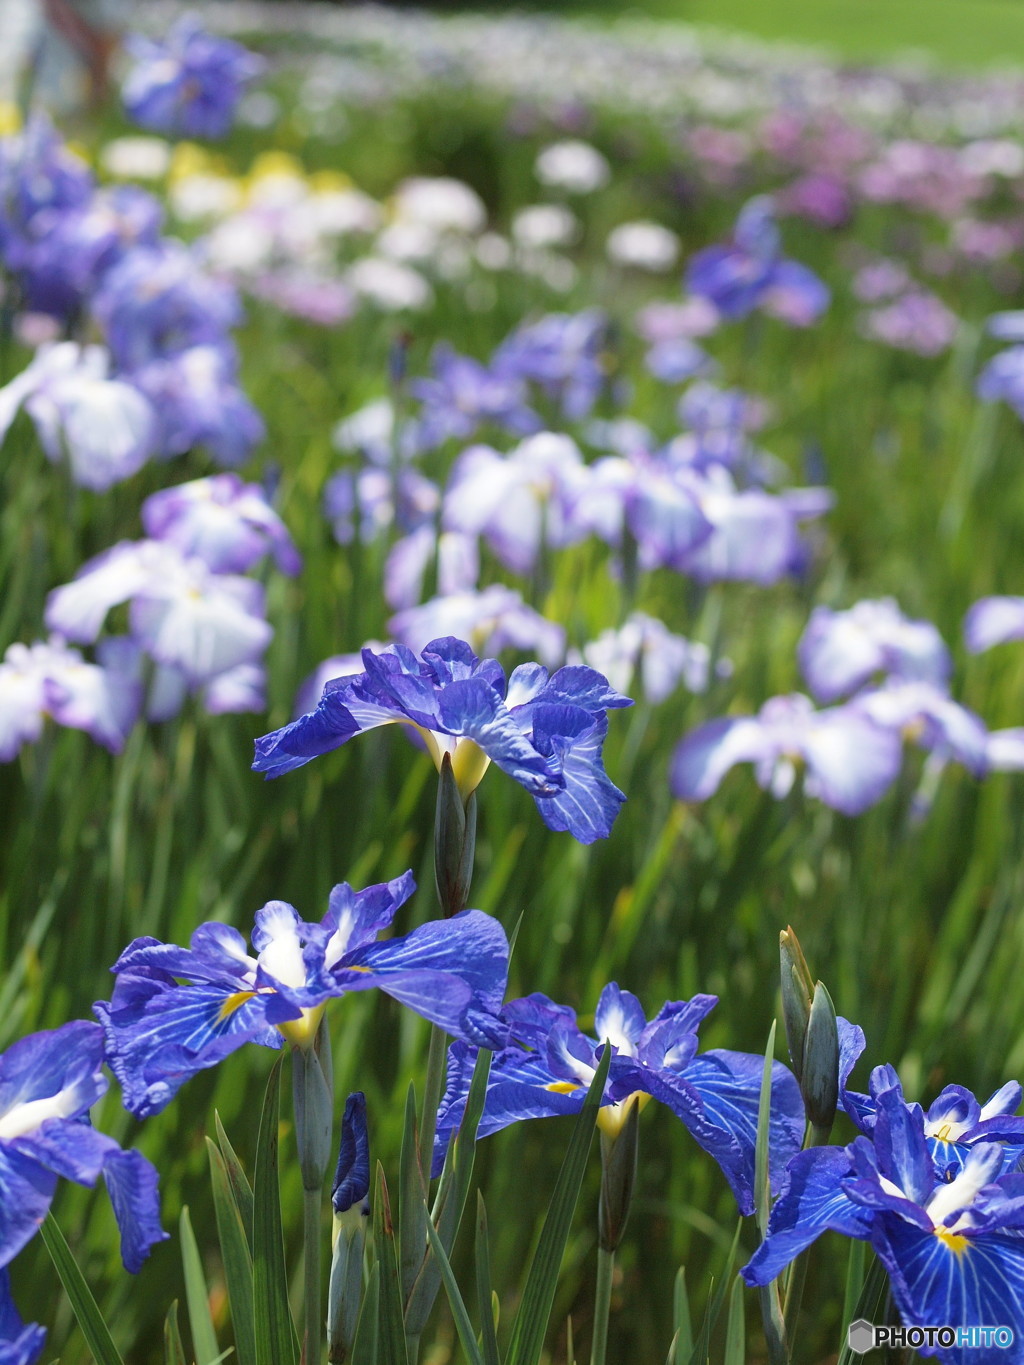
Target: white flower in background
[(643, 245), (573, 166), (335, 213), (493, 251), (542, 225), (194, 197), (389, 284), (408, 242), (103, 427), (137, 158), (441, 203)]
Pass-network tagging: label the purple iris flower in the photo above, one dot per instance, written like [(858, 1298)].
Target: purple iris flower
[(19, 1344), (157, 301), (49, 679), (463, 394), (48, 1082), (455, 556), (851, 760), (644, 494), (750, 272), (993, 621), (955, 1120), (104, 428), (190, 84), (562, 353), (65, 252), (176, 1011), (546, 732), (549, 1064), (950, 1239), (182, 614), (521, 501), (928, 715), (198, 402), (678, 359), (840, 651), (917, 321), (644, 646), (369, 501), (226, 523)]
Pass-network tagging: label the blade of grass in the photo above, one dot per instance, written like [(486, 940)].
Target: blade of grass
[(539, 1293), (274, 1330), (84, 1306), (235, 1254), (197, 1298)]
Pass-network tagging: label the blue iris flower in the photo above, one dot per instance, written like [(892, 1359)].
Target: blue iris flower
[(19, 1345), (352, 1177), (550, 1063), (955, 1121), (189, 84), (546, 732), (947, 1232), (48, 1082), (176, 1010)]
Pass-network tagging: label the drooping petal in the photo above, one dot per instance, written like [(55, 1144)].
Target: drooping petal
[(132, 1183), (812, 1201)]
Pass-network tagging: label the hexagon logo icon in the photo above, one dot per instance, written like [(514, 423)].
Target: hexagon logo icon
[(860, 1336)]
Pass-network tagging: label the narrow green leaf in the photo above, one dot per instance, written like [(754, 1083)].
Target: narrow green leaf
[(240, 1187), (870, 1305), (452, 1193), (854, 1279), (364, 1344), (197, 1297), (484, 1292), (539, 1292), (463, 1325), (174, 1351), (735, 1334), (412, 1234), (683, 1346), (391, 1340), (716, 1302), (762, 1186), (570, 1345), (274, 1329), (84, 1306), (234, 1250)]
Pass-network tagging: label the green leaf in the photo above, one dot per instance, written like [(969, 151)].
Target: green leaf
[(174, 1351), (391, 1341), (682, 1340), (870, 1305), (412, 1233), (484, 1292), (762, 1185), (716, 1302), (463, 1325), (854, 1279), (539, 1292), (364, 1344), (735, 1333), (274, 1330), (239, 1181), (94, 1329), (204, 1338), (452, 1193), (234, 1250)]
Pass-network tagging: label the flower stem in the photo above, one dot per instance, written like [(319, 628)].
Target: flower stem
[(602, 1305), (432, 1084), (311, 1313)]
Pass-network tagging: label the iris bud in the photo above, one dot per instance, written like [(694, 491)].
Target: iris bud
[(350, 1199)]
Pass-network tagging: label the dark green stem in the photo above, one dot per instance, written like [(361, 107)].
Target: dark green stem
[(311, 1313), (602, 1305)]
